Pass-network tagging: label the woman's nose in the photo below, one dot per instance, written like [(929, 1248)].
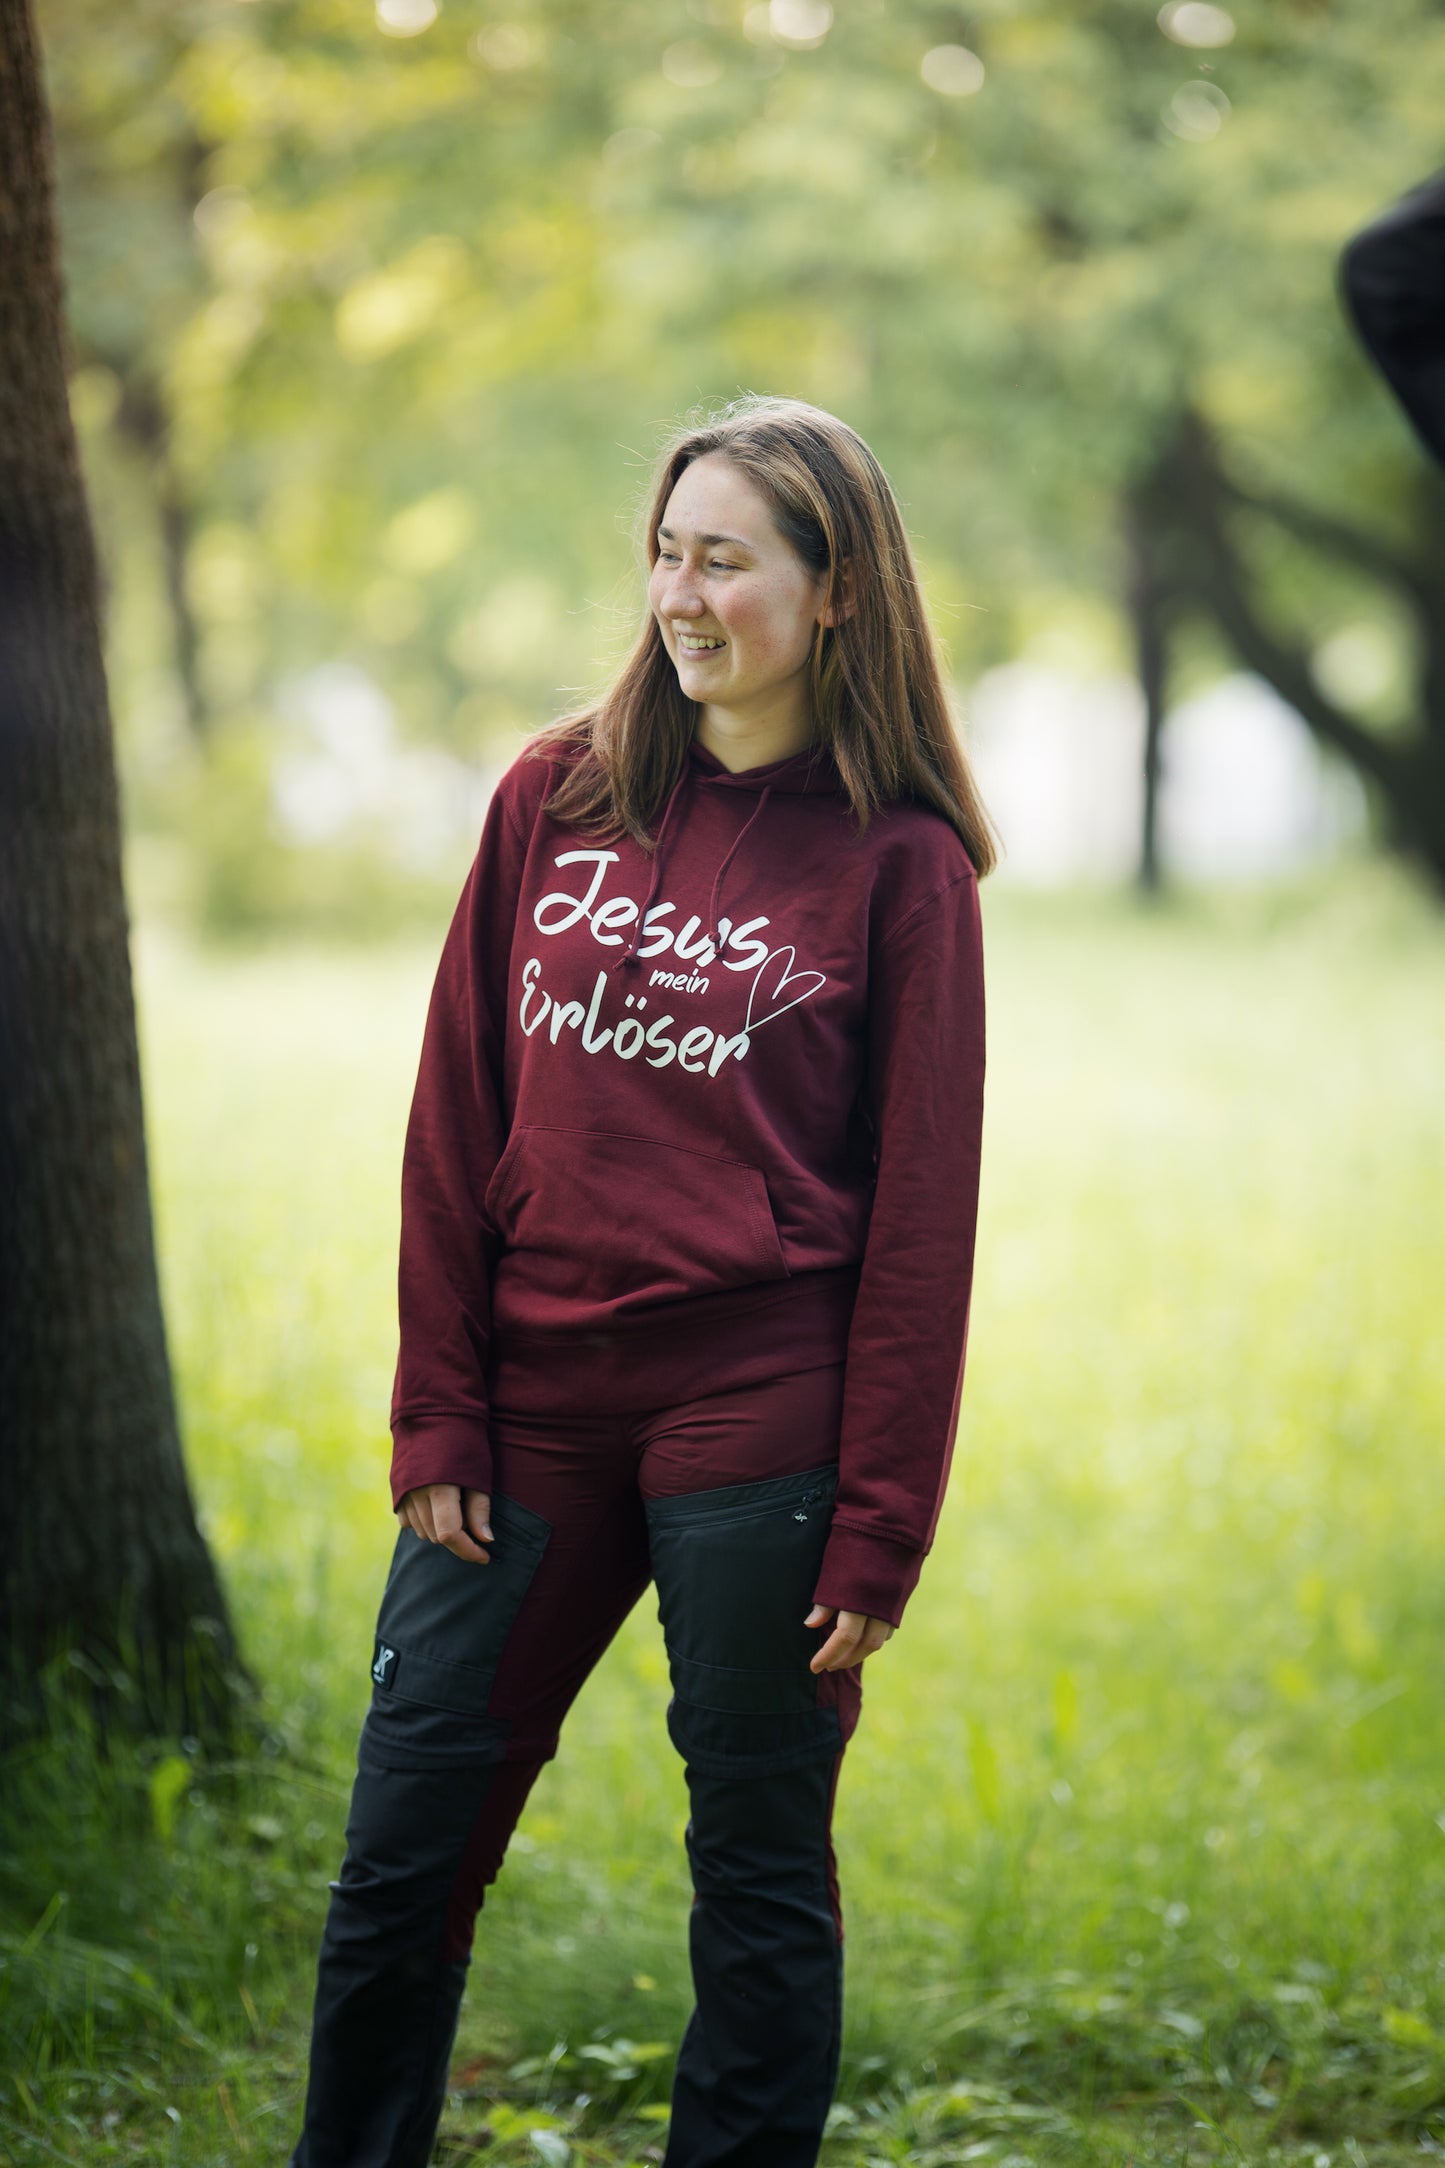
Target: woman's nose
[(679, 595)]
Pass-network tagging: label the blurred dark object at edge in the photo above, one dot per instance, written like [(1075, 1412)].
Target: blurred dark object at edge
[(1393, 275)]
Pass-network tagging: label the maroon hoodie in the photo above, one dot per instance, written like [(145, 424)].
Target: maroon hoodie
[(734, 1082)]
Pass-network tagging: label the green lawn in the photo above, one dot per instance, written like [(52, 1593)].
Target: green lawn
[(1143, 1835)]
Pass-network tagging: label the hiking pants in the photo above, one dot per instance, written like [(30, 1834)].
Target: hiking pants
[(723, 1501)]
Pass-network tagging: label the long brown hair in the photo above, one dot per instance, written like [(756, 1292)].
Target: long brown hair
[(878, 700)]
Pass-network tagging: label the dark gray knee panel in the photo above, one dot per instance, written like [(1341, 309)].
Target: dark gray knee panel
[(735, 1571), (442, 1627)]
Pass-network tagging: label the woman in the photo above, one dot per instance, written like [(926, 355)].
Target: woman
[(688, 1207)]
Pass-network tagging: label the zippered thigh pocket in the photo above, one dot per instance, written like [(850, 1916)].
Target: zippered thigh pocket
[(440, 1634), (735, 1570)]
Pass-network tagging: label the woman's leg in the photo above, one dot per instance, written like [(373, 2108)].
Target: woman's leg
[(393, 1965), (740, 1489), (474, 1668)]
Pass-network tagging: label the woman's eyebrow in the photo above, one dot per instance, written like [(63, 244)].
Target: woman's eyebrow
[(665, 534)]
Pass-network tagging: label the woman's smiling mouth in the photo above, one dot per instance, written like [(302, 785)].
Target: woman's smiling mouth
[(697, 643)]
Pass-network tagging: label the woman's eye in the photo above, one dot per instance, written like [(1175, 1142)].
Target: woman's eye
[(718, 565)]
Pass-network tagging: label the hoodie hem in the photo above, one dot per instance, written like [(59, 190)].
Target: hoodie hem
[(703, 1344)]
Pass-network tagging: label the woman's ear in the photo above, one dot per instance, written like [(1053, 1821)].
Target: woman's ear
[(844, 596)]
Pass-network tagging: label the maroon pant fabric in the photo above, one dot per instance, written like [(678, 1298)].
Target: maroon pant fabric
[(565, 1449)]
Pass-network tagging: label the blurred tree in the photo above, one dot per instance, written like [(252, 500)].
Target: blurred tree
[(100, 1554), (1053, 264), (1201, 531), (447, 268), (1148, 595), (134, 163)]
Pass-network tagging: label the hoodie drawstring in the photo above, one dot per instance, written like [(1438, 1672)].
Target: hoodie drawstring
[(629, 954), (728, 857)]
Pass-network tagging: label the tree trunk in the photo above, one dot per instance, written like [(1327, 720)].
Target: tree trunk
[(142, 419), (100, 1555), (1406, 775), (1145, 598)]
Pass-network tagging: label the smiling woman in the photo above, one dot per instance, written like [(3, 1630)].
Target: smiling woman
[(773, 528), (691, 1314)]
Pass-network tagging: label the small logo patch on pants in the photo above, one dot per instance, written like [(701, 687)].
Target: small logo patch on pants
[(384, 1664)]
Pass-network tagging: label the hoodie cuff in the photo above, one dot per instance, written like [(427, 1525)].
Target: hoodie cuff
[(869, 1573), (439, 1449)]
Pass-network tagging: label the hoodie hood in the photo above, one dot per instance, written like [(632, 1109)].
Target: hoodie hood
[(811, 771)]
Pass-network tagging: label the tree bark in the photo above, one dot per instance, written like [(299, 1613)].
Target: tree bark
[(100, 1554)]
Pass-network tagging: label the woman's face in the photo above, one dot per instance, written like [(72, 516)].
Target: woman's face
[(736, 605)]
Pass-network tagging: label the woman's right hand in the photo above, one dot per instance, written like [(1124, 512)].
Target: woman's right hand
[(459, 1519)]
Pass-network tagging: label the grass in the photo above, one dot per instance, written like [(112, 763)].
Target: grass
[(1143, 1835)]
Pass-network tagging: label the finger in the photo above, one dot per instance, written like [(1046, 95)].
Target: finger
[(819, 1615), (447, 1520), (461, 1544), (835, 1653), (476, 1515), (409, 1513), (839, 1650), (421, 1515), (872, 1633)]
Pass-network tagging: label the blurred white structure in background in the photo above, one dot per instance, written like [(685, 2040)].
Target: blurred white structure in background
[(348, 778), (1244, 792), (1058, 761)]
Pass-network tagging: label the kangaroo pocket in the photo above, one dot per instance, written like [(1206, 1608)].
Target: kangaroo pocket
[(596, 1223)]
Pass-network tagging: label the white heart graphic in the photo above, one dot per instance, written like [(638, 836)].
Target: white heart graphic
[(786, 977)]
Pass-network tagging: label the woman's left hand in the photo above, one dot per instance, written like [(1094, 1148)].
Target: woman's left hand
[(854, 1637)]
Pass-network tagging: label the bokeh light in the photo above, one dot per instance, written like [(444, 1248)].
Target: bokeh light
[(953, 70), (507, 46), (691, 65), (1196, 22), (800, 23), (405, 18), (1196, 112)]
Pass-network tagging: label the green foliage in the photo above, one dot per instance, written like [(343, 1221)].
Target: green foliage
[(249, 881), (1139, 1838), (169, 1782), (413, 307)]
